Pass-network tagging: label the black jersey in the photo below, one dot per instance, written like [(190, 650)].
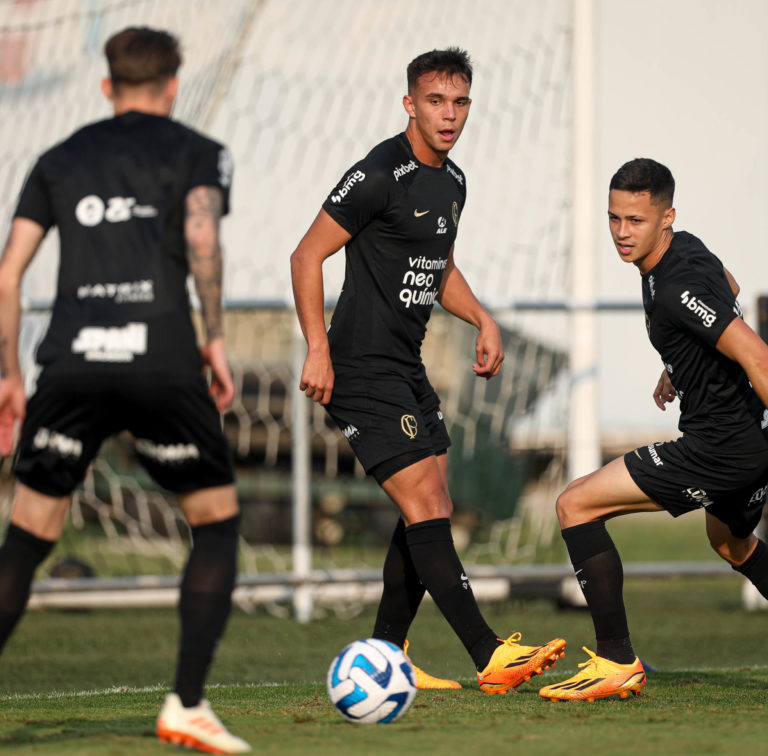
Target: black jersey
[(116, 191), (403, 217), (688, 304)]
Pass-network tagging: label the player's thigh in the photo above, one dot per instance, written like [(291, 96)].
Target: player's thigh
[(208, 505), (735, 549), (419, 491), (604, 493), (178, 434), (41, 515)]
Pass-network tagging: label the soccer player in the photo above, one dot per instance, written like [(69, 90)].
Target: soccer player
[(718, 367), (137, 200), (397, 212)]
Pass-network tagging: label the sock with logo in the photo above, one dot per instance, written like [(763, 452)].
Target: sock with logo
[(598, 569), (205, 603), (402, 592), (755, 568), (442, 574), (20, 555)]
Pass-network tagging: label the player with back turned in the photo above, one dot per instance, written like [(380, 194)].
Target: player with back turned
[(718, 367), (397, 212), (137, 200)]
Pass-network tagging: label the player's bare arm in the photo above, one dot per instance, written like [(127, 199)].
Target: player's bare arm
[(664, 391), (204, 256), (739, 342), (324, 238), (457, 297), (735, 288), (23, 241)]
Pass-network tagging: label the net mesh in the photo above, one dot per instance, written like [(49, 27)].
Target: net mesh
[(299, 91)]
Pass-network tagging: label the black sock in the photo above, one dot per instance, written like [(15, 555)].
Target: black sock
[(205, 603), (441, 573), (601, 576), (402, 592), (20, 555), (755, 568)]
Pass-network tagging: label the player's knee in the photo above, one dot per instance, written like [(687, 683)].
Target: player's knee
[(566, 505), (735, 551)]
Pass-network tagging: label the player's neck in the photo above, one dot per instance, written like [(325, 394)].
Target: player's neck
[(422, 151), (150, 105), (652, 259)]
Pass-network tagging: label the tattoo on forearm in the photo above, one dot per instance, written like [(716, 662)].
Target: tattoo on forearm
[(201, 228)]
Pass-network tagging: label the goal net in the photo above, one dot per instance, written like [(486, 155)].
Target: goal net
[(300, 90)]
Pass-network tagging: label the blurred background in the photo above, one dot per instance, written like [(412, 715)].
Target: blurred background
[(565, 91)]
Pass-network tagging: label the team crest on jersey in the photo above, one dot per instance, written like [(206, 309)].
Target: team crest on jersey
[(409, 425), (455, 213)]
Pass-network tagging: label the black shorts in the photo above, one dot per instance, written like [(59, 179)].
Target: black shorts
[(386, 415), (681, 477), (176, 426)]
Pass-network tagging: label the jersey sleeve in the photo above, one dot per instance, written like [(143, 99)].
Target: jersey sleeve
[(35, 198), (213, 167), (696, 309), (361, 195)]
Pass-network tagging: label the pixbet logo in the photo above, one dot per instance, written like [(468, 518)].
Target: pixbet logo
[(401, 170), (698, 308), (348, 183), (91, 210)]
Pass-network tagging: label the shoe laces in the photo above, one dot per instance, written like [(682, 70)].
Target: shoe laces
[(594, 659), (513, 640)]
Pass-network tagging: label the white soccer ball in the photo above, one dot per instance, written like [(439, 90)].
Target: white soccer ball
[(371, 681)]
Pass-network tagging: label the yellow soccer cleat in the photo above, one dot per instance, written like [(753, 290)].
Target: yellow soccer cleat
[(598, 678), (425, 681), (513, 664)]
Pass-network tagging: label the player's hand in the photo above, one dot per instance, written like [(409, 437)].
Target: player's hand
[(317, 377), (489, 350), (13, 407), (664, 392), (222, 386)]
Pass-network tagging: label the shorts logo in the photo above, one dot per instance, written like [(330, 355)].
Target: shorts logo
[(764, 421), (698, 308), (166, 454), (401, 170), (409, 425), (758, 497), (347, 185), (98, 344), (58, 443), (455, 213), (351, 433), (655, 455), (698, 496)]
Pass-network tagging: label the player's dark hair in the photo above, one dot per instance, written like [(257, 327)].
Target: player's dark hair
[(646, 175), (140, 55), (451, 62)]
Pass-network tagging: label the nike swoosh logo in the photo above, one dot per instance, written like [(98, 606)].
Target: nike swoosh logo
[(418, 214)]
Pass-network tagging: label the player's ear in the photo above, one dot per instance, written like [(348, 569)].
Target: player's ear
[(107, 89), (669, 217), (408, 105)]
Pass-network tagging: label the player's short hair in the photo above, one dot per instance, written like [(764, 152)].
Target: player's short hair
[(140, 55), (646, 175), (453, 61)]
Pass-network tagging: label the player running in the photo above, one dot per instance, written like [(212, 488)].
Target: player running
[(137, 200), (397, 212), (718, 367)]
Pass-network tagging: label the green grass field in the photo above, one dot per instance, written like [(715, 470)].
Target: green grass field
[(93, 682)]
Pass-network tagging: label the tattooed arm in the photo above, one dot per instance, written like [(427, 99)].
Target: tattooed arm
[(23, 241), (201, 231)]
